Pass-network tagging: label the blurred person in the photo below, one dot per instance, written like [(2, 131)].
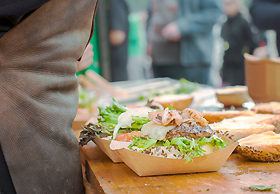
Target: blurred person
[(40, 42), (118, 38), (180, 40), (238, 39), (265, 15)]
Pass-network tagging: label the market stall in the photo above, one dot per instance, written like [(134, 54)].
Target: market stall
[(237, 174)]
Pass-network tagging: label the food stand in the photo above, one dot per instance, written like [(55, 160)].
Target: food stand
[(108, 177), (237, 175)]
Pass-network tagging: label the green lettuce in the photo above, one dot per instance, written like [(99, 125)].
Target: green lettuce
[(110, 114), (107, 121), (86, 98), (259, 188), (189, 147), (142, 142), (186, 87)]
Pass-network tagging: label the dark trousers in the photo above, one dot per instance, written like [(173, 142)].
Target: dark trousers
[(199, 73), (233, 74), (119, 59), (6, 184)]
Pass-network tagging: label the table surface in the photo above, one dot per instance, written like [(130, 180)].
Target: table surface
[(108, 177)]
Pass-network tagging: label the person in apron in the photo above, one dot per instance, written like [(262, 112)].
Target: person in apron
[(39, 47)]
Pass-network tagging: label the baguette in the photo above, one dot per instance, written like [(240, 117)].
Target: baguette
[(257, 118), (260, 147), (213, 117), (240, 130), (175, 101), (267, 108)]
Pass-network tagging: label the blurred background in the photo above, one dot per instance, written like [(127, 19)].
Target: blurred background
[(121, 40)]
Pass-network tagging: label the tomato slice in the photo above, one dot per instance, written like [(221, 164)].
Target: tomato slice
[(127, 136)]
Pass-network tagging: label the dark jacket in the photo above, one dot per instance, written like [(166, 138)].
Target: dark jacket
[(266, 14), (118, 20), (237, 34), (196, 19), (13, 12)]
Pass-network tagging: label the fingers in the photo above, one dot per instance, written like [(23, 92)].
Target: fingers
[(87, 58), (171, 32)]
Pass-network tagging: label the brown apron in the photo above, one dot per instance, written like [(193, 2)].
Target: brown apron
[(39, 98)]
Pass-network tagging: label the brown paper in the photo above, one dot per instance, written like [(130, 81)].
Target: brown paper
[(104, 145), (147, 165), (262, 78)]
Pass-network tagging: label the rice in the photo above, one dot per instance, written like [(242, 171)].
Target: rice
[(163, 151)]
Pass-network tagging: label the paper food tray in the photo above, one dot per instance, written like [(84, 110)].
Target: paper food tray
[(104, 145), (147, 165)]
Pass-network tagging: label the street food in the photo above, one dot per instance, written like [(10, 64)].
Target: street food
[(213, 117), (113, 121), (257, 118), (240, 130), (177, 134), (263, 147), (174, 101), (270, 108), (175, 142)]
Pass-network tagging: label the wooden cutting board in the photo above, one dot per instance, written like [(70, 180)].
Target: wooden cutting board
[(237, 172)]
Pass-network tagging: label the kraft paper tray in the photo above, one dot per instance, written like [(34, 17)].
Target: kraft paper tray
[(147, 165), (104, 145)]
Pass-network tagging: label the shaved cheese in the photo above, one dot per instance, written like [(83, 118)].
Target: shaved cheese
[(125, 119), (155, 131)]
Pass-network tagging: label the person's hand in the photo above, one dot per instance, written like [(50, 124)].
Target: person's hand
[(171, 32), (116, 37), (149, 50), (86, 59)]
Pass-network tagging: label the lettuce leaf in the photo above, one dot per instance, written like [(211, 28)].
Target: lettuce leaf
[(259, 188), (107, 121), (186, 87), (142, 142), (110, 114), (139, 122), (86, 98), (189, 147)]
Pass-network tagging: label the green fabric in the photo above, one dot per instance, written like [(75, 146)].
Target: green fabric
[(136, 45), (95, 66)]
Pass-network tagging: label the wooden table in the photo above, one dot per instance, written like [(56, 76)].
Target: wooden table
[(237, 172)]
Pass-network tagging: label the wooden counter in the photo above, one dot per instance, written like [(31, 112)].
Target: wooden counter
[(237, 172)]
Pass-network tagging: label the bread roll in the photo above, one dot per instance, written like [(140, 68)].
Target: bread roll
[(233, 95), (213, 117), (240, 130), (270, 108), (257, 118), (260, 147), (176, 101)]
